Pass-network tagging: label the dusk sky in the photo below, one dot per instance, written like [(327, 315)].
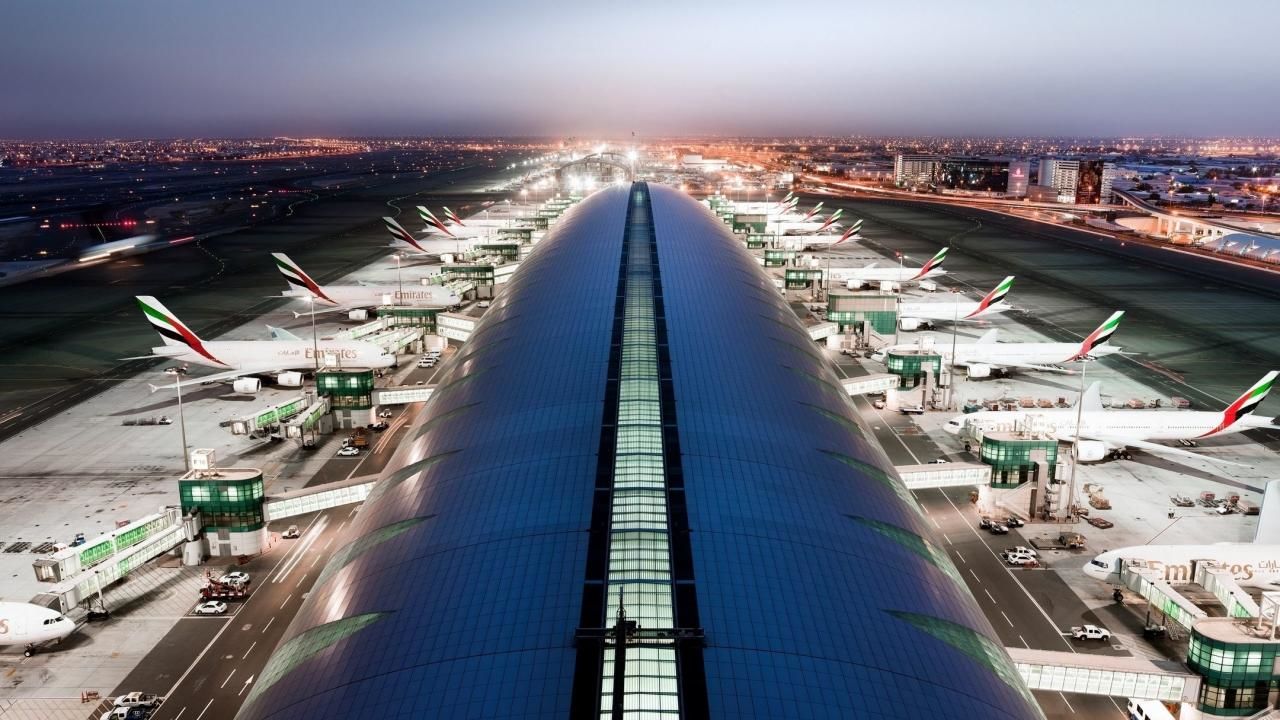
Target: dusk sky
[(130, 68)]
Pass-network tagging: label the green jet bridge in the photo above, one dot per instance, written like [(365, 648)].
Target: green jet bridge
[(79, 574)]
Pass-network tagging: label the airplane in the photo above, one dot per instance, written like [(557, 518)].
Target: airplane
[(432, 221), (984, 355), (859, 277), (913, 315), (784, 202), (1107, 433), (815, 242), (240, 358), (452, 217), (353, 297), (816, 209), (1256, 563), (31, 626)]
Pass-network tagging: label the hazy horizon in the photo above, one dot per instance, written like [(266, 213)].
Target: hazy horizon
[(134, 69)]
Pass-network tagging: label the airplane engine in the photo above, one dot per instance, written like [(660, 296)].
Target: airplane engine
[(358, 315), (928, 286), (854, 284), (888, 286), (291, 378), (1091, 450), (909, 324), (248, 386), (979, 370)]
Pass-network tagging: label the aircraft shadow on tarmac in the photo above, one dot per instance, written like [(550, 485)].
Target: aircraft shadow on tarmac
[(166, 400), (1224, 476)]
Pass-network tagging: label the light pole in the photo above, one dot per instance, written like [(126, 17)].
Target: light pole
[(177, 372), (315, 343), (1075, 445), (399, 282)]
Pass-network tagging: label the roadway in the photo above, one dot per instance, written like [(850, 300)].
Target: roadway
[(214, 684), (206, 665), (1030, 608)]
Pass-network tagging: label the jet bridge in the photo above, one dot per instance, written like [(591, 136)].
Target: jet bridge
[(78, 573), (1135, 678), (1152, 584)]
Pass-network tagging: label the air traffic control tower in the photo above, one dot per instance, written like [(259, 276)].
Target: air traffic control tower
[(639, 491)]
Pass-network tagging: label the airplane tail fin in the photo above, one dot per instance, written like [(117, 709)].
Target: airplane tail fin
[(172, 330), (452, 217), (995, 297), (988, 337), (430, 218), (399, 233), (935, 263), (1246, 403), (1091, 401), (296, 277), (1099, 336)]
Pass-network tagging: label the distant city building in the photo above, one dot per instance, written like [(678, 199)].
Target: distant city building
[(1019, 178), (915, 169), (1078, 181), (973, 175), (1094, 184), (1062, 176), (697, 162)]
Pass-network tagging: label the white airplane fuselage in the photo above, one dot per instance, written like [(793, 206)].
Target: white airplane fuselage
[(1250, 564), (356, 296), (266, 355), (862, 276), (947, 311), (1012, 353), (26, 624), (1141, 425)]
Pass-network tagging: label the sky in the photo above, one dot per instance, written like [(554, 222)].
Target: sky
[(227, 68)]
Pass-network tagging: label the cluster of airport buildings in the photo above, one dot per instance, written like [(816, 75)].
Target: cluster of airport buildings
[(1061, 180)]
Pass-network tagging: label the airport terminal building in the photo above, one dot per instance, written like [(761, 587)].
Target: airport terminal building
[(639, 491)]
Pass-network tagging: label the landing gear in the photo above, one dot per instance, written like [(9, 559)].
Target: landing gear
[(29, 651)]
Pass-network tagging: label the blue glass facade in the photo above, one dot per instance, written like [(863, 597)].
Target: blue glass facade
[(819, 587)]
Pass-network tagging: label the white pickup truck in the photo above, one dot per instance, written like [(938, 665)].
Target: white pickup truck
[(1090, 632)]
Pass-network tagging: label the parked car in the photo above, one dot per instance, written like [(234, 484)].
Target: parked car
[(1014, 521), (137, 712), (998, 529), (212, 607), (1023, 550), (985, 523), (938, 461), (290, 533), (1090, 632), (385, 414), (235, 577), (348, 451), (378, 426), (1018, 559)]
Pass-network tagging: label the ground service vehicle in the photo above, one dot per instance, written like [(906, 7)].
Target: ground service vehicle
[(1090, 632)]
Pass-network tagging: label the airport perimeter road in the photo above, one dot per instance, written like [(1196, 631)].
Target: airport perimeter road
[(210, 681)]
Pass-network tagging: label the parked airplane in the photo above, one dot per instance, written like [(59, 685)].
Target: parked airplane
[(814, 242), (399, 233), (355, 297), (452, 217), (985, 355), (1255, 564), (809, 216), (31, 626), (240, 359), (859, 277), (1104, 433), (914, 315)]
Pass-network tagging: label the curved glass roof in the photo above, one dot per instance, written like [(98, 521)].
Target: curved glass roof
[(819, 587)]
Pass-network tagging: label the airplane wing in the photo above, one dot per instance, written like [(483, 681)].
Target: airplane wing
[(215, 377), (1158, 449), (281, 334), (1029, 366)]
